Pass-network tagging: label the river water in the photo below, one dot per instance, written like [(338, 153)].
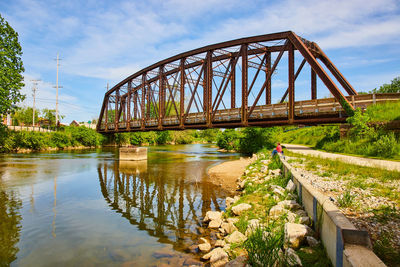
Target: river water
[(85, 208)]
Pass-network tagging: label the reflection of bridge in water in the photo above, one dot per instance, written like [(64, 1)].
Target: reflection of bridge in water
[(167, 205)]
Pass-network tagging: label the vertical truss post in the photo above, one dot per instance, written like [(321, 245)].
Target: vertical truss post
[(106, 113), (148, 99), (208, 88), (268, 87), (135, 105), (116, 109), (233, 83), (182, 93), (244, 84), (128, 106), (143, 100), (161, 97), (291, 83), (313, 84)]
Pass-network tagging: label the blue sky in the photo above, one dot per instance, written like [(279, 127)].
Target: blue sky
[(105, 41)]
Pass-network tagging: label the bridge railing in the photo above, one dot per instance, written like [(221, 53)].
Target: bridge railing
[(307, 108)]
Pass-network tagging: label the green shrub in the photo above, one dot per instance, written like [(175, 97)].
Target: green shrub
[(254, 139), (60, 139), (228, 139)]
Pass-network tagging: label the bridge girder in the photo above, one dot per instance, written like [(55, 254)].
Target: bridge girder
[(193, 89)]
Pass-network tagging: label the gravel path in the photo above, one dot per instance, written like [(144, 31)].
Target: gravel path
[(383, 164)]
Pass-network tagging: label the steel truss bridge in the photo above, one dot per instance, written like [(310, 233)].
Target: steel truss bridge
[(198, 89)]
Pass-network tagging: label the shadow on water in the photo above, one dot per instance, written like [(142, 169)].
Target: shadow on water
[(168, 201)]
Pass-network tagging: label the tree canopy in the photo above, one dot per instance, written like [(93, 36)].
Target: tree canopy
[(393, 87), (11, 68)]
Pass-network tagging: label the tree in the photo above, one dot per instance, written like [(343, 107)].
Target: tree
[(11, 68), (24, 116), (50, 114), (394, 87)]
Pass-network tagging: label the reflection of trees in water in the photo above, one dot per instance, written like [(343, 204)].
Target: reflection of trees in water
[(10, 226), (170, 209)]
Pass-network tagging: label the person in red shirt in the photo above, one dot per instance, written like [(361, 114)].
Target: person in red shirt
[(277, 150)]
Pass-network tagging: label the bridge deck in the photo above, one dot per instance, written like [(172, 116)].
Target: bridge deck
[(327, 110)]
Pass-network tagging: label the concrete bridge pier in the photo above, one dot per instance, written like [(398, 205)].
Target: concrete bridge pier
[(132, 153)]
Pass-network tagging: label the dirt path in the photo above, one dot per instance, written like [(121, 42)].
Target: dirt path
[(377, 163), (226, 173)]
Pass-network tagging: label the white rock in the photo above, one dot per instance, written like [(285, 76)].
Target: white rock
[(242, 184), (289, 204), (228, 227), (220, 243), (293, 258), (294, 234), (232, 220), (275, 172), (205, 247), (301, 213), (203, 240), (218, 257), (277, 211), (239, 209), (213, 215), (292, 217), (236, 237), (215, 223), (291, 187)]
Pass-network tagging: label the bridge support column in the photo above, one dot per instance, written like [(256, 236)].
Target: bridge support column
[(133, 153), (233, 83)]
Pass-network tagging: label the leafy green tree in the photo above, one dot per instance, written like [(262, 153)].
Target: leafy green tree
[(254, 139), (393, 87), (50, 114), (359, 121), (228, 139), (11, 68), (210, 135), (24, 116)]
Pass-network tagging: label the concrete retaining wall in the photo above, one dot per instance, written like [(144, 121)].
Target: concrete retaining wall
[(345, 245)]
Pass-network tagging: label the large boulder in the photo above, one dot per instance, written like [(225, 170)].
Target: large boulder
[(205, 247), (294, 234), (218, 257), (240, 261), (277, 211), (236, 237), (215, 223), (228, 227), (239, 209), (220, 243), (213, 215)]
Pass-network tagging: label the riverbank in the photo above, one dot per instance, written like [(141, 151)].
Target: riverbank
[(262, 225), (227, 173)]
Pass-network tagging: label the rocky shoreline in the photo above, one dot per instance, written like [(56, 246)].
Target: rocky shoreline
[(263, 218)]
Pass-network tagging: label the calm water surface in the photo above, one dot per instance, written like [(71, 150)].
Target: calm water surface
[(85, 208)]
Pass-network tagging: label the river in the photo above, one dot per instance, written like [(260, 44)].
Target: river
[(85, 208)]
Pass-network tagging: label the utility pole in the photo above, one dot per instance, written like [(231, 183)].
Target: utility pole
[(58, 64), (34, 88)]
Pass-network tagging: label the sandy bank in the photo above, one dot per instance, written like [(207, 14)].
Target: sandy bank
[(226, 173)]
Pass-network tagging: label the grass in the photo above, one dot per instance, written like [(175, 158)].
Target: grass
[(317, 257), (358, 176), (385, 250), (346, 200), (384, 111)]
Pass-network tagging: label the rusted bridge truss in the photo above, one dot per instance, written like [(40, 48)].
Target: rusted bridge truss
[(227, 85)]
